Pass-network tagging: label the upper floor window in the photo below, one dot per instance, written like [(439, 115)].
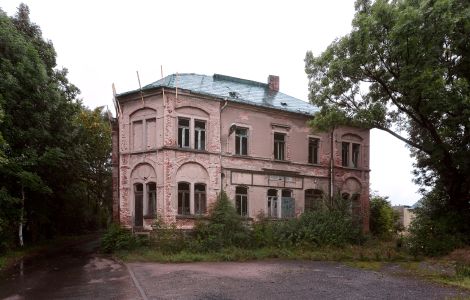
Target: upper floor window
[(199, 135), (279, 146), (241, 141), (313, 146), (350, 154), (144, 134), (241, 200), (183, 133)]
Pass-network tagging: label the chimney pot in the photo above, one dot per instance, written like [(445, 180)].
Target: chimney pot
[(273, 82)]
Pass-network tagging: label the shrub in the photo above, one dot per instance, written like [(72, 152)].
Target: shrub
[(167, 238), (224, 227), (435, 229), (382, 218), (117, 238)]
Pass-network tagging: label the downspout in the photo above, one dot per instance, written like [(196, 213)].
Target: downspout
[(220, 141)]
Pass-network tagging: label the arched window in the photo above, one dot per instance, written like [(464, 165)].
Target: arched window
[(356, 204), (199, 198), (313, 200), (241, 200), (272, 203), (183, 198), (138, 204), (151, 198)]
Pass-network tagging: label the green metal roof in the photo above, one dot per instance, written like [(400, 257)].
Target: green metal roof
[(232, 89)]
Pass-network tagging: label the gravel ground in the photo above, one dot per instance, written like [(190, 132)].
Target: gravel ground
[(280, 280)]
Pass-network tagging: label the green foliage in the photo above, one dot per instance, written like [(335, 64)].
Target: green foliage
[(117, 238), (312, 229), (382, 218), (224, 227), (436, 228), (54, 152), (167, 238), (404, 69)]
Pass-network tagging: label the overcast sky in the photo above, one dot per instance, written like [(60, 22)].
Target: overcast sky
[(101, 42)]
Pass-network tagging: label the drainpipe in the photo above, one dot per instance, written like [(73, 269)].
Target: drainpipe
[(220, 140)]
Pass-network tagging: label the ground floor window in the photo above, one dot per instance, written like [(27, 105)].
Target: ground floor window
[(183, 198), (200, 198), (151, 198), (313, 200), (272, 203), (241, 200)]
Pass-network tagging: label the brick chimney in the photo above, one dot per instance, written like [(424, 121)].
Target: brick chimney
[(273, 83)]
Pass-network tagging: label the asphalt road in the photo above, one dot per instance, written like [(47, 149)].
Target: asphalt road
[(80, 273)]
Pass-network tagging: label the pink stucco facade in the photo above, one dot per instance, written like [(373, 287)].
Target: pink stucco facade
[(150, 161)]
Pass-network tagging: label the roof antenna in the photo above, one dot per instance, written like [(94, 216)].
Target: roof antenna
[(161, 70), (140, 87)]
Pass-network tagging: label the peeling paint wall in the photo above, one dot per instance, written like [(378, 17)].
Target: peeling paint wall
[(148, 135)]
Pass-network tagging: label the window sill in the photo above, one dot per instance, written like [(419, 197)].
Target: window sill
[(146, 217), (282, 161)]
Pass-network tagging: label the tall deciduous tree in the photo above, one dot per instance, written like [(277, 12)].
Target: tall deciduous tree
[(405, 69), (55, 174)]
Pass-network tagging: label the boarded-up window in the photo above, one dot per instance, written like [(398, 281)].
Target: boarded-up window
[(151, 139), (137, 135)]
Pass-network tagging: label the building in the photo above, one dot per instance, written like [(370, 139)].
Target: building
[(180, 140), (405, 215)]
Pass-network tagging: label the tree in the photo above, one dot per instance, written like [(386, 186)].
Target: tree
[(55, 154), (405, 69), (382, 217)]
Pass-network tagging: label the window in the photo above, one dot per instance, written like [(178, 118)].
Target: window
[(355, 205), (287, 204), (199, 198), (138, 204), (355, 155), (241, 141), (350, 154), (199, 135), (151, 198), (279, 146), (313, 200), (345, 154), (183, 198), (144, 134), (183, 133), (313, 146), (241, 200), (272, 203)]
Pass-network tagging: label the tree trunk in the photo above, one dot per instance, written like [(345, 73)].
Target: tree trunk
[(20, 230)]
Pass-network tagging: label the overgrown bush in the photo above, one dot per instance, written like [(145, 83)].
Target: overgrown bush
[(223, 228), (167, 238), (382, 218), (435, 230), (117, 238), (331, 226)]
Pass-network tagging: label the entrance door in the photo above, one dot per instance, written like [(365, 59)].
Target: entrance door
[(138, 205)]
